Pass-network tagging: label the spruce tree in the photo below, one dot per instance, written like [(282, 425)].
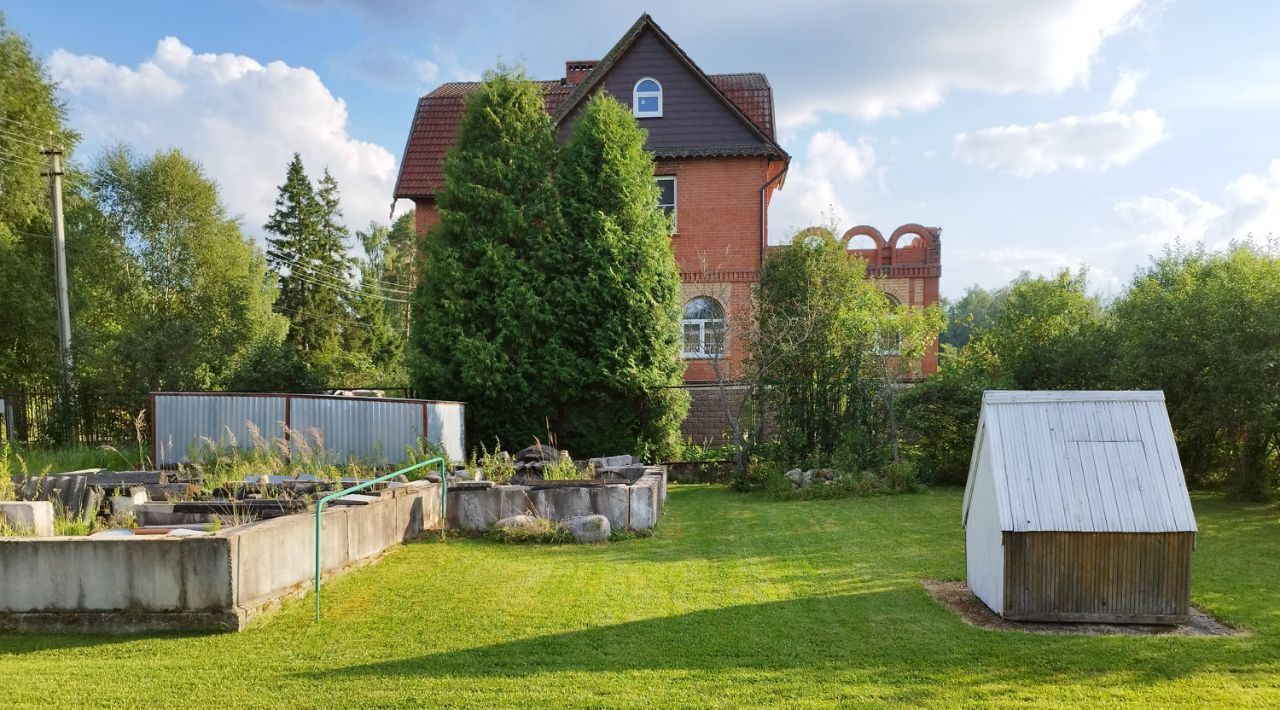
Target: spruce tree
[(481, 330), (309, 251), (618, 287)]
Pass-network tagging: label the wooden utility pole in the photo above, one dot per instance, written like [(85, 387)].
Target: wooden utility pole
[(60, 265)]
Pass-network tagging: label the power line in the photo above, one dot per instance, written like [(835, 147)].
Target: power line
[(27, 161), (348, 291), (336, 319), (22, 124), (323, 270), (19, 138)]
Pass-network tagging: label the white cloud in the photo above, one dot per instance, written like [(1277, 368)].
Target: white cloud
[(1126, 87), (996, 267), (1250, 205), (872, 59), (818, 185), (240, 118), (1094, 142)]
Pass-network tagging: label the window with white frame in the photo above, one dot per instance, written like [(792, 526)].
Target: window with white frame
[(703, 326), (667, 198), (646, 99)]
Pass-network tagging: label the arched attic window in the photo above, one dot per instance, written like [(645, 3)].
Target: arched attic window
[(646, 99), (703, 327)]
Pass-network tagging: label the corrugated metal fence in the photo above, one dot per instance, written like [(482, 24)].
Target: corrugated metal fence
[(369, 429)]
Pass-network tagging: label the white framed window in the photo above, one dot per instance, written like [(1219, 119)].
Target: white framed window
[(667, 198), (646, 99), (703, 327)]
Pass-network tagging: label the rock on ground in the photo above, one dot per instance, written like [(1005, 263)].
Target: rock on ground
[(587, 528)]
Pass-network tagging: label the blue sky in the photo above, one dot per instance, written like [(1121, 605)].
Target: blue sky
[(1038, 135)]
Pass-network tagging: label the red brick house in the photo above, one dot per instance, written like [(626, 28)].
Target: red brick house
[(718, 164)]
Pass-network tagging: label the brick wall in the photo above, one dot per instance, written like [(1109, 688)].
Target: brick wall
[(706, 424)]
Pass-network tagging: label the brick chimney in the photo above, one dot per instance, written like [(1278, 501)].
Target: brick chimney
[(577, 70)]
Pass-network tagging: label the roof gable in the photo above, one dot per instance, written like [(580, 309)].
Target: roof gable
[(1082, 462), (698, 112), (742, 102)]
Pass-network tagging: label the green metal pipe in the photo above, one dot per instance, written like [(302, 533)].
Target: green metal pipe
[(444, 490)]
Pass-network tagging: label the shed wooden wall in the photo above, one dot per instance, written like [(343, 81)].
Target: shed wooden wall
[(1141, 578)]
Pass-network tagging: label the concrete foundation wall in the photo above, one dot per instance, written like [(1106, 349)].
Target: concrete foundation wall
[(220, 581), (636, 506)]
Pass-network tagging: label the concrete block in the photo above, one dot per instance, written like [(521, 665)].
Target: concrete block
[(371, 529), (614, 503), (561, 503), (279, 553), (474, 509), (33, 515), (120, 574), (162, 514), (644, 504), (418, 510)]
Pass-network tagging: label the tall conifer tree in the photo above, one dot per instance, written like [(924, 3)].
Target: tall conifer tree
[(481, 328), (618, 285)]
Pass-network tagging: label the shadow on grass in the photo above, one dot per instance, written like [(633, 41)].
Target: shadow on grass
[(912, 646), (18, 643)]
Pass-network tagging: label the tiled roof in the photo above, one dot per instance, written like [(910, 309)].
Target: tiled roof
[(435, 129), (435, 126)]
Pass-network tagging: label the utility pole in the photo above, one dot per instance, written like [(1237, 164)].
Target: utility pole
[(60, 268)]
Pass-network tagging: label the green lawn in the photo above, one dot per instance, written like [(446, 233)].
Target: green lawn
[(737, 601)]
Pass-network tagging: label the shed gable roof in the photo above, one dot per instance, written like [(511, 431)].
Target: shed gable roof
[(1082, 462)]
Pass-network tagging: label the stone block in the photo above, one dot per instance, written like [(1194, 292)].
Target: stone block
[(645, 510), (561, 502), (614, 503), (587, 528), (35, 516)]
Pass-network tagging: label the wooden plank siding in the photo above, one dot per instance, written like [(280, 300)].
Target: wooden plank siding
[(1113, 577)]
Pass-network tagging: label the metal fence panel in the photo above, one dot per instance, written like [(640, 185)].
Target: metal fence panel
[(368, 429), (184, 423), (365, 429), (446, 427)]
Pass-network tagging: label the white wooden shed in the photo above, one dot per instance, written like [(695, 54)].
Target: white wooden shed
[(1076, 509)]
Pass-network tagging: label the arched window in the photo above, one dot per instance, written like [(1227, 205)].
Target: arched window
[(646, 99), (703, 325)]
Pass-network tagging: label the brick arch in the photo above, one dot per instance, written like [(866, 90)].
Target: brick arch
[(863, 230), (873, 256), (925, 234)]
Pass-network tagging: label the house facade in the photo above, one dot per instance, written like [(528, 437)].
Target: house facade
[(717, 163)]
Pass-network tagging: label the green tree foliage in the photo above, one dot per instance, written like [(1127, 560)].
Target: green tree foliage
[(391, 254), (201, 290), (1049, 334), (30, 115), (310, 254), (481, 327), (616, 293), (372, 334), (824, 350), (975, 311), (1204, 327)]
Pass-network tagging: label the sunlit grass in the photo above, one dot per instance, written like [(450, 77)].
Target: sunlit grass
[(739, 600)]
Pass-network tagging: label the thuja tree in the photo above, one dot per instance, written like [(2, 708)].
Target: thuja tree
[(480, 327), (616, 293)]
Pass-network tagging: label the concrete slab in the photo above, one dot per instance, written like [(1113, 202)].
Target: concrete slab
[(35, 516)]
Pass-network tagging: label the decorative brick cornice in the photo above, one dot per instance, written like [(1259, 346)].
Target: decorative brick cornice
[(702, 277)]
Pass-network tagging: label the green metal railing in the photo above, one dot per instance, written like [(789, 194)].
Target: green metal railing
[(444, 490)]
